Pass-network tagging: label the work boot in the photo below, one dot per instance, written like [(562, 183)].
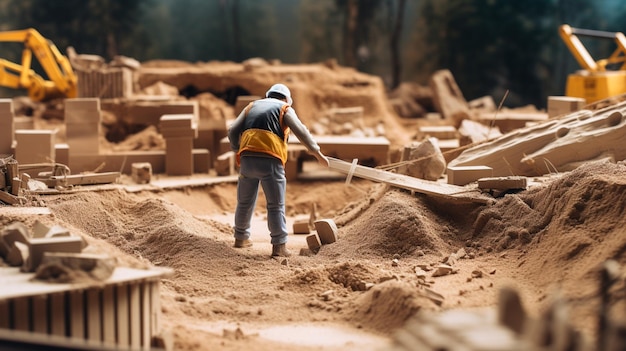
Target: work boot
[(280, 250), (239, 243)]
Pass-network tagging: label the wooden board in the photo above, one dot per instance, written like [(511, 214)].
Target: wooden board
[(17, 284), (442, 190)]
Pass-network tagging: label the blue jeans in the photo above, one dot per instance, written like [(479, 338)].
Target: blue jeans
[(271, 174)]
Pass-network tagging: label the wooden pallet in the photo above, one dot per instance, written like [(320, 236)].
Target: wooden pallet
[(121, 312)]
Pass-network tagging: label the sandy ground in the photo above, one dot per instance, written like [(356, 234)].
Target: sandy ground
[(551, 237), (357, 293)]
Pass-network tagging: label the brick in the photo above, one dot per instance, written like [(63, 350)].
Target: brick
[(179, 133), (14, 232), (176, 121), (301, 227), (326, 230), (462, 175), (34, 146), (38, 246), (178, 156), (313, 242), (439, 132), (18, 254), (62, 153), (502, 183), (562, 105), (141, 172), (6, 106), (82, 104)]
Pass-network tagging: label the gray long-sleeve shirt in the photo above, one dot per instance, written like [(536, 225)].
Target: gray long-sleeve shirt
[(290, 119)]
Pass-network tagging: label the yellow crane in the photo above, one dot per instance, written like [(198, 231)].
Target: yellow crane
[(61, 77), (598, 79)]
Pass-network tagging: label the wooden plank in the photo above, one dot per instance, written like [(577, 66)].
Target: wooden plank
[(123, 315), (18, 284), (448, 191), (94, 315), (77, 314), (146, 326), (4, 314), (81, 179), (21, 313), (155, 305), (39, 314), (108, 314), (57, 314), (135, 316)]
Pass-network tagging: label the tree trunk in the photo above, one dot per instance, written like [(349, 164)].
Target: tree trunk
[(352, 13), (396, 34)]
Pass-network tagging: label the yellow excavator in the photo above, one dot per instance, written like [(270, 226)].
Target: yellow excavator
[(598, 79), (61, 81)]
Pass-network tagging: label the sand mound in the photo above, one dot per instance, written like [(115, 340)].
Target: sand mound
[(398, 223), (388, 305)]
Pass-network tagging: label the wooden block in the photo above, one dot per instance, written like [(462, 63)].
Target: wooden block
[(462, 175), (225, 164), (39, 314), (179, 133), (439, 132), (502, 183), (201, 160), (6, 106), (108, 314), (123, 314), (18, 254), (326, 230), (141, 172), (176, 121), (77, 314), (34, 146), (313, 242), (38, 246), (58, 314), (62, 153), (301, 227), (16, 231), (81, 104), (562, 105), (178, 156)]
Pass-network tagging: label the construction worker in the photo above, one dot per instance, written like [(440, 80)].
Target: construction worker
[(259, 138)]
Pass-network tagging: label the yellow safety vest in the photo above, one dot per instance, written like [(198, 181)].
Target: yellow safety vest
[(265, 141)]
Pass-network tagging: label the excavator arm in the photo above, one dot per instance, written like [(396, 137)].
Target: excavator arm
[(576, 47), (62, 80), (599, 79)]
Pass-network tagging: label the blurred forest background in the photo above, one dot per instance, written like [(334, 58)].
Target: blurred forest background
[(490, 46)]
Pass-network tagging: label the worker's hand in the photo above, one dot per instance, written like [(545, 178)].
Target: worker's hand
[(322, 159)]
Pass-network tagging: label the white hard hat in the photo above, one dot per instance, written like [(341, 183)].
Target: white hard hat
[(282, 90)]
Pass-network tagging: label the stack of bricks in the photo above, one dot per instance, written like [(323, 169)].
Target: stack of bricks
[(7, 127), (106, 84), (82, 125), (179, 132)]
